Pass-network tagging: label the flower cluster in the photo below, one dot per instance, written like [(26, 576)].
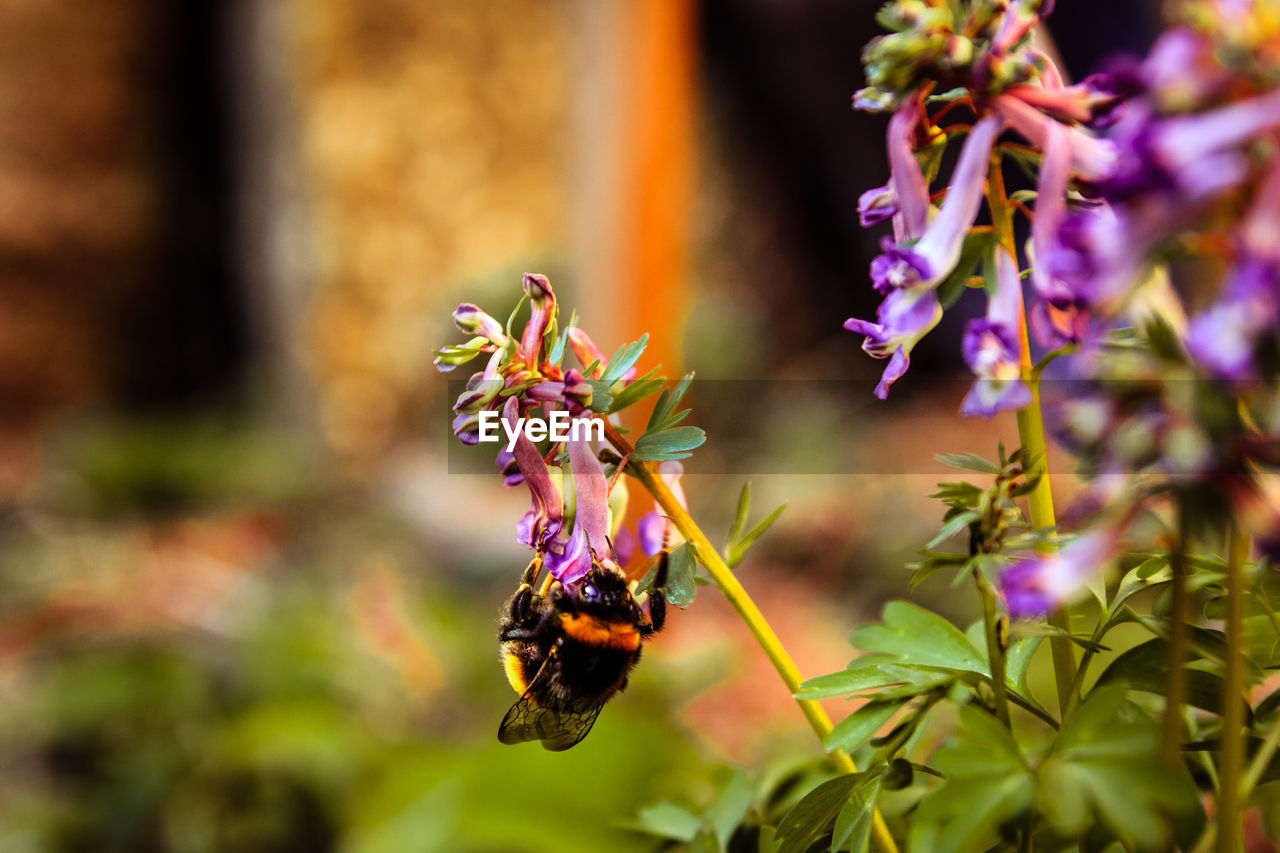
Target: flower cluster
[(573, 522), (992, 66)]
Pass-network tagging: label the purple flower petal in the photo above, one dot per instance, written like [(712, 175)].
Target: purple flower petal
[(548, 508), (1034, 587), (542, 301)]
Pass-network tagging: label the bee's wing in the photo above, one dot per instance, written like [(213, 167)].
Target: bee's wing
[(557, 723)]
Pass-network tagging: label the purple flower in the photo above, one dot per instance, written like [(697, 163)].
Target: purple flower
[(1035, 587), (1059, 316), (655, 530), (1091, 158), (935, 254), (589, 543), (1193, 156), (905, 316), (1096, 101), (471, 320), (542, 301), (991, 348), (1224, 337), (876, 205), (910, 190), (544, 520)]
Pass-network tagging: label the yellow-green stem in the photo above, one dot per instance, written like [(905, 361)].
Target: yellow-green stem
[(751, 616), (1031, 434), (995, 647), (1176, 689), (1231, 762)]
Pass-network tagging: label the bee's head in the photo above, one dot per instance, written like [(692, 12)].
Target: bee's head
[(604, 591)]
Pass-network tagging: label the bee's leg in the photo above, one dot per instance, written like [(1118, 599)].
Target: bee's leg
[(530, 573), (520, 620), (657, 603)]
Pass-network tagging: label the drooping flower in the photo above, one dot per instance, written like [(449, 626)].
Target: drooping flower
[(904, 317), (544, 519), (1223, 338), (589, 544), (1037, 586), (934, 255), (991, 348), (910, 274)]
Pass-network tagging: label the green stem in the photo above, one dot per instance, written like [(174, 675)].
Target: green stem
[(1260, 761), (1231, 761), (995, 648), (1179, 611), (751, 616), (1031, 434)]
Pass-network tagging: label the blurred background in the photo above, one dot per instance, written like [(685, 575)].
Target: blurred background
[(248, 597)]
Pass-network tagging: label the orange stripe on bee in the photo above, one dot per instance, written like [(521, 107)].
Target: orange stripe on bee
[(596, 632), (515, 672)]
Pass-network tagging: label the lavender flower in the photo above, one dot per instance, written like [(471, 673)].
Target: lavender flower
[(1035, 587), (928, 261), (1223, 339), (909, 275), (589, 543), (991, 348)]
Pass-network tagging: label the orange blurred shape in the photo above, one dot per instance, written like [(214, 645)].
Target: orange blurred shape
[(383, 622)]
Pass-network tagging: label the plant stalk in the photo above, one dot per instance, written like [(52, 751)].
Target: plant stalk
[(1031, 434), (768, 641), (995, 648), (1231, 761), (1176, 686)]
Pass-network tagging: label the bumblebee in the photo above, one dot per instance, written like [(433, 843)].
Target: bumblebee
[(569, 650)]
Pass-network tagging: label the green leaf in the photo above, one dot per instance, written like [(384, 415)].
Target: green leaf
[(727, 812), (737, 550), (681, 589), (1105, 761), (976, 245), (670, 444), (666, 820), (856, 679), (915, 635), (635, 391), (1018, 660), (1145, 667), (968, 462), (624, 359), (740, 515), (958, 522), (853, 825), (813, 815), (667, 401), (850, 732), (988, 784), (601, 396)]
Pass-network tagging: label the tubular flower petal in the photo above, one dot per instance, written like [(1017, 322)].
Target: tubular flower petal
[(1059, 316), (907, 183), (1091, 158), (1034, 587), (1193, 156), (931, 258), (587, 351), (544, 519), (471, 320), (905, 316), (542, 301), (1223, 338), (991, 349)]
